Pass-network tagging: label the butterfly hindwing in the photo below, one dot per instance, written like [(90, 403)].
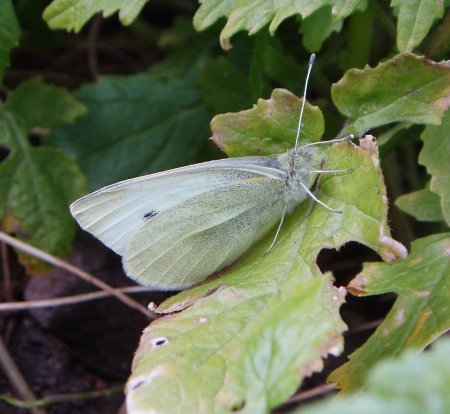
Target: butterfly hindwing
[(201, 235)]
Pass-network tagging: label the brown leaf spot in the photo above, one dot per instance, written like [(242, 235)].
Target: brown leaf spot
[(356, 286)]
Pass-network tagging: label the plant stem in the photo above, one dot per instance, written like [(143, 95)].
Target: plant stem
[(60, 398), (16, 378)]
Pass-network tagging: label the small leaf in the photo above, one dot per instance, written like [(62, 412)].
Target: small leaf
[(136, 125), (317, 27), (406, 88), (73, 14), (9, 33), (415, 20), (30, 102), (270, 127), (419, 315), (412, 383), (38, 183), (252, 15), (435, 157), (282, 67), (424, 205)]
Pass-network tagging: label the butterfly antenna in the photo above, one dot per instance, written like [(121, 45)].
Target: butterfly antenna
[(310, 65)]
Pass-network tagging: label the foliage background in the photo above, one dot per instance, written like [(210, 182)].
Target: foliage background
[(90, 100)]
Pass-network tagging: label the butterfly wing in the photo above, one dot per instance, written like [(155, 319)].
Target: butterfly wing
[(114, 213), (188, 242)]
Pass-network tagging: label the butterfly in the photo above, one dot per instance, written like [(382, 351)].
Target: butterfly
[(175, 228)]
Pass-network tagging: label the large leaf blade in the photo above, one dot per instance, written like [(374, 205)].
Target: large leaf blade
[(244, 338), (136, 125)]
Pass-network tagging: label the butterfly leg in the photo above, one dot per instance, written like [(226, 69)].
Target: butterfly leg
[(278, 231), (308, 191)]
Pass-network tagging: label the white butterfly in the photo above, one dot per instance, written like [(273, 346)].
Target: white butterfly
[(175, 228)]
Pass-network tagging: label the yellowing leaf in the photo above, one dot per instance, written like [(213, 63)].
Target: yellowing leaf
[(73, 14), (419, 315), (252, 15), (406, 88), (412, 383), (268, 128)]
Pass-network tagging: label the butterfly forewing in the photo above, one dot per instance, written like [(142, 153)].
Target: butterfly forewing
[(115, 213)]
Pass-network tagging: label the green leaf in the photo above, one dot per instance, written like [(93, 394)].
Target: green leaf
[(435, 157), (413, 383), (252, 15), (9, 33), (38, 183), (136, 125), (317, 27), (73, 14), (224, 87), (406, 88), (419, 315), (415, 20), (424, 205), (282, 67), (30, 103), (244, 341), (268, 128)]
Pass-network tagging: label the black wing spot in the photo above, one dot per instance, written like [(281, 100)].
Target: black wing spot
[(150, 214)]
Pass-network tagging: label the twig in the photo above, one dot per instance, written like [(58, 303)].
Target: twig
[(365, 327), (92, 46), (15, 377), (7, 285), (311, 393), (60, 398), (122, 409), (67, 300), (33, 251)]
